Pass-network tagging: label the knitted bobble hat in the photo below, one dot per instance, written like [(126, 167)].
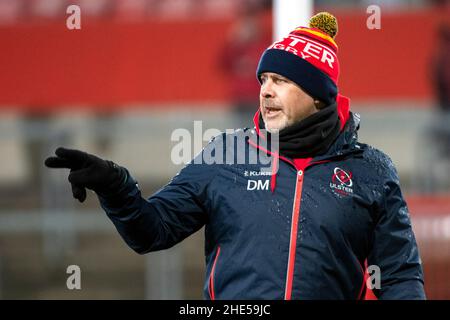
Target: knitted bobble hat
[(308, 57)]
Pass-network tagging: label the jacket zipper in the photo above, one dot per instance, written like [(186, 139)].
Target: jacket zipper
[(293, 237), (211, 276)]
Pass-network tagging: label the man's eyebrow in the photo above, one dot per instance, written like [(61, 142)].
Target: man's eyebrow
[(279, 76), (273, 76)]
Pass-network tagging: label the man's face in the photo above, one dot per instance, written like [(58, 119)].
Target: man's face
[(282, 102)]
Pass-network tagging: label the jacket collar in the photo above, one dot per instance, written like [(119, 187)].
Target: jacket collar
[(346, 142)]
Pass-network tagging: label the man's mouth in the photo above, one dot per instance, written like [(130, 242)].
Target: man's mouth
[(272, 111)]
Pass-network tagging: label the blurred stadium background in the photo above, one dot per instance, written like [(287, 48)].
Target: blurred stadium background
[(137, 70)]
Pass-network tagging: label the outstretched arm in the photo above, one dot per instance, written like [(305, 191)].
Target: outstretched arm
[(166, 218)]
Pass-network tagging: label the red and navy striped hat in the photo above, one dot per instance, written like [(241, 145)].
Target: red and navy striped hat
[(307, 56)]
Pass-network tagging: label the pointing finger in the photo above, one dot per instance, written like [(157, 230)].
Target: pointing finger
[(55, 162), (77, 157)]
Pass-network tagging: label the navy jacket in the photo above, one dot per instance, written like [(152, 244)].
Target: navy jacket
[(301, 231)]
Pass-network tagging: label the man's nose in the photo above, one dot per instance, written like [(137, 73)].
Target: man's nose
[(267, 89)]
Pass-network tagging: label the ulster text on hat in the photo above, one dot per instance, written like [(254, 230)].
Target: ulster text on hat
[(306, 48)]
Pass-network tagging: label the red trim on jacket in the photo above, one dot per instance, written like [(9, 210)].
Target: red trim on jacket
[(343, 108), (293, 237), (211, 276), (363, 284)]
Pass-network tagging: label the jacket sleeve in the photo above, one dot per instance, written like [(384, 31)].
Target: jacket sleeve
[(173, 213), (394, 248)]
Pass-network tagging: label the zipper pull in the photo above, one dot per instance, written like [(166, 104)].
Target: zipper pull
[(300, 175)]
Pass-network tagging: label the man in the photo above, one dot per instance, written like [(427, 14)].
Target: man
[(333, 206)]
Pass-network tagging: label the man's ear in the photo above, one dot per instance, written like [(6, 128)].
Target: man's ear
[(319, 104)]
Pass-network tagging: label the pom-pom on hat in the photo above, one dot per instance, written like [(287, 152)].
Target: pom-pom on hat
[(307, 56)]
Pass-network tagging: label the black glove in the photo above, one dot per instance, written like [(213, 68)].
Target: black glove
[(88, 171)]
